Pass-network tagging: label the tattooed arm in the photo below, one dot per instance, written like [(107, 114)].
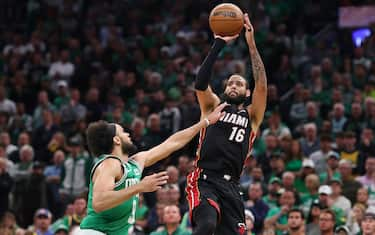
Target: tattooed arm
[(259, 100)]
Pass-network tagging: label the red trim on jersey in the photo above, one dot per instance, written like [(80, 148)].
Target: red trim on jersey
[(202, 135), (192, 190), (253, 135), (216, 206)]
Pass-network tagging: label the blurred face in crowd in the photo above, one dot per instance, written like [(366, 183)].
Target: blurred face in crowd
[(362, 196), (336, 188), (287, 199), (42, 222), (345, 170), (174, 194), (295, 221), (288, 180), (171, 215), (338, 110), (370, 165), (356, 110), (235, 90), (255, 191), (5, 138), (315, 211), (271, 142), (58, 157), (312, 182), (326, 222), (333, 162), (80, 206), (162, 195), (323, 199), (325, 145), (368, 225), (173, 174), (183, 163), (23, 139), (257, 174)]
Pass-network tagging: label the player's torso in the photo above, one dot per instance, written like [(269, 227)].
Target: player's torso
[(225, 144), (117, 220)]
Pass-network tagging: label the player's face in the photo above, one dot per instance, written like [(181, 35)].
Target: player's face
[(127, 145), (295, 221), (235, 90)]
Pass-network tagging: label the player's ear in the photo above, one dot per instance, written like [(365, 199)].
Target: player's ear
[(116, 140)]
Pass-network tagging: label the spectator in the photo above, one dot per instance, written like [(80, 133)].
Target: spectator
[(257, 206), (70, 221), (327, 222), (6, 105), (296, 222), (53, 180), (171, 218), (75, 171), (350, 186), (42, 221), (6, 183), (320, 156), (312, 222), (278, 216), (368, 223), (310, 143), (339, 201), (249, 219)]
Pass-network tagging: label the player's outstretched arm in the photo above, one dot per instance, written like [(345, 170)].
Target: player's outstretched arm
[(104, 178), (206, 98), (259, 99), (177, 140)]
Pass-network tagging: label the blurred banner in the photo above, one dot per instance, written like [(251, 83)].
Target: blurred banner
[(351, 17)]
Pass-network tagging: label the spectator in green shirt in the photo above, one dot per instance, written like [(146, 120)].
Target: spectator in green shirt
[(277, 216), (172, 218)]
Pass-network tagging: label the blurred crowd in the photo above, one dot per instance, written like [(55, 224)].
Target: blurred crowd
[(65, 63)]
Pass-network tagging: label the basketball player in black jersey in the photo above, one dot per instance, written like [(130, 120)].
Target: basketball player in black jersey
[(212, 188)]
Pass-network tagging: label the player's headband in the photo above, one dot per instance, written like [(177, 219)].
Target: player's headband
[(112, 129)]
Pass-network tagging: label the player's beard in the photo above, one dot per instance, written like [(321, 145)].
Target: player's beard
[(240, 99), (128, 148)]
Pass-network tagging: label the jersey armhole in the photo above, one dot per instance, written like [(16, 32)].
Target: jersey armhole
[(124, 173)]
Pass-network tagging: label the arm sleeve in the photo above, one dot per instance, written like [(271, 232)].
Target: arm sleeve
[(204, 73)]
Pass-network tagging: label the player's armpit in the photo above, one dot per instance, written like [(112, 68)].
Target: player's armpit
[(208, 101)]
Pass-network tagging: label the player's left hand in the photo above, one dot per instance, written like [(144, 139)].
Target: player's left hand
[(249, 30), (216, 114)]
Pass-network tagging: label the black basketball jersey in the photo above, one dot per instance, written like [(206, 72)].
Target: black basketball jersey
[(223, 146)]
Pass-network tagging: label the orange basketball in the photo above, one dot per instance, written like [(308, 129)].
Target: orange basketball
[(226, 19)]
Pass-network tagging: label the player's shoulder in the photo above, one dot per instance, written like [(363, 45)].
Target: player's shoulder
[(110, 163)]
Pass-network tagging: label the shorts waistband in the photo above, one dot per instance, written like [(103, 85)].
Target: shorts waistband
[(205, 174)]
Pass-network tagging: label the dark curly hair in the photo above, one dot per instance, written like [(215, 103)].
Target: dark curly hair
[(100, 137)]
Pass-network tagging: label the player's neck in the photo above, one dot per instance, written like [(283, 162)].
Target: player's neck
[(118, 153)]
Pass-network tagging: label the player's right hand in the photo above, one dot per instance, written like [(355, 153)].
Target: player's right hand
[(216, 114), (154, 182), (227, 39)]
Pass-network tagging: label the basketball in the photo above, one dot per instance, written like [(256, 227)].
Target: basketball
[(226, 19)]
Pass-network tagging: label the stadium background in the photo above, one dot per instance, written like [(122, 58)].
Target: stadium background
[(65, 63)]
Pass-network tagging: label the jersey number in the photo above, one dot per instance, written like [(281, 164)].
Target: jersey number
[(131, 219), (238, 134)]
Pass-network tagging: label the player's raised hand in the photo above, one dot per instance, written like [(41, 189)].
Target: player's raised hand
[(217, 113), (227, 39), (249, 30), (154, 182)]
